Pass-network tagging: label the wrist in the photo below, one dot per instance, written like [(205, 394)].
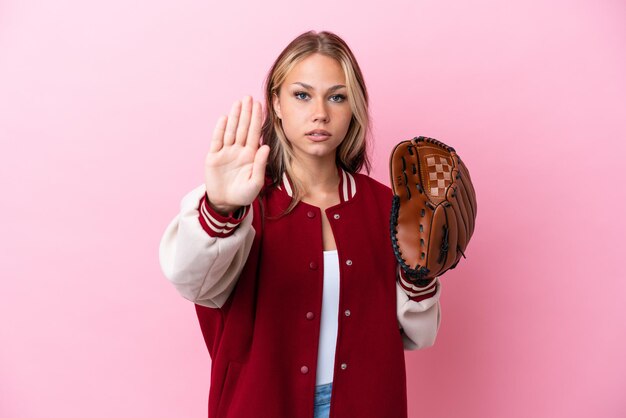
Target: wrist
[(224, 210)]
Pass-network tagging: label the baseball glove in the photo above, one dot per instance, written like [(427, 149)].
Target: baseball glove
[(434, 208)]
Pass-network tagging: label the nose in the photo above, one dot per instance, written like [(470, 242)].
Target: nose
[(320, 113)]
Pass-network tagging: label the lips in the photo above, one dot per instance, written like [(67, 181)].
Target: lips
[(318, 135), (318, 132)]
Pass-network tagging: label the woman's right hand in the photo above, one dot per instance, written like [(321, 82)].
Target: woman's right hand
[(234, 168)]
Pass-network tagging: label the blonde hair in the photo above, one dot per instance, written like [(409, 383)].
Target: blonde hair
[(351, 154)]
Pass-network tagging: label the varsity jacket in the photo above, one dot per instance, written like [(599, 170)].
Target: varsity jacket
[(256, 282)]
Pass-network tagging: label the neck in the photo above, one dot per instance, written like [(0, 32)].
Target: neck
[(317, 175)]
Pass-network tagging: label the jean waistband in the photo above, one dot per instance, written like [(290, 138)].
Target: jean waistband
[(323, 393), (324, 390)]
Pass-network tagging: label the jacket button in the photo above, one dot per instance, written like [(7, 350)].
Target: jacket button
[(310, 214), (344, 366), (304, 370), (313, 265), (310, 315), (347, 312), (349, 262), (336, 216)]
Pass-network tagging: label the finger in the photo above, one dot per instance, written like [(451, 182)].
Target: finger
[(433, 254), (469, 186), (400, 166), (453, 236), (461, 198), (467, 179), (218, 134), (465, 203), (260, 162), (244, 121), (254, 132), (469, 207), (462, 235), (231, 126)]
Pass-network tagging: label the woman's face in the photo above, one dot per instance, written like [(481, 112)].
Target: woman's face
[(314, 97)]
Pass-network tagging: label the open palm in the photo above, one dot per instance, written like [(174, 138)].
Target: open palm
[(234, 167)]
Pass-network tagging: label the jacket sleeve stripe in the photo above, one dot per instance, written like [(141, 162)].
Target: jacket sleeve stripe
[(414, 292), (217, 225)]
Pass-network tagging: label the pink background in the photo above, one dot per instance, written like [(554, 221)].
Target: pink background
[(106, 111)]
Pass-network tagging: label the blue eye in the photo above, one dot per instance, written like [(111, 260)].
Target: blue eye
[(336, 98)]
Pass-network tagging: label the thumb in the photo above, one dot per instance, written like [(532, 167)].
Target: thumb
[(260, 161)]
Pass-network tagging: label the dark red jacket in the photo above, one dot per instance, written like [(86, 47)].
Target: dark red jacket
[(262, 327)]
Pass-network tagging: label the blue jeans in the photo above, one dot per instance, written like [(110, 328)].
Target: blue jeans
[(322, 400)]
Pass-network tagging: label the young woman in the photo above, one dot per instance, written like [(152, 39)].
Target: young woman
[(285, 252)]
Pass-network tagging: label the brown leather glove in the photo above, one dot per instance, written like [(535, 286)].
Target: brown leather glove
[(434, 208)]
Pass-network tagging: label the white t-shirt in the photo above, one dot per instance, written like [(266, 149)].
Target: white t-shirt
[(329, 319)]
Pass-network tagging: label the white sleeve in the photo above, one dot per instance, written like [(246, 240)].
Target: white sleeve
[(203, 268), (419, 320)]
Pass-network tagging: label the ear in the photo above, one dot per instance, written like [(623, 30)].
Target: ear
[(276, 103)]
